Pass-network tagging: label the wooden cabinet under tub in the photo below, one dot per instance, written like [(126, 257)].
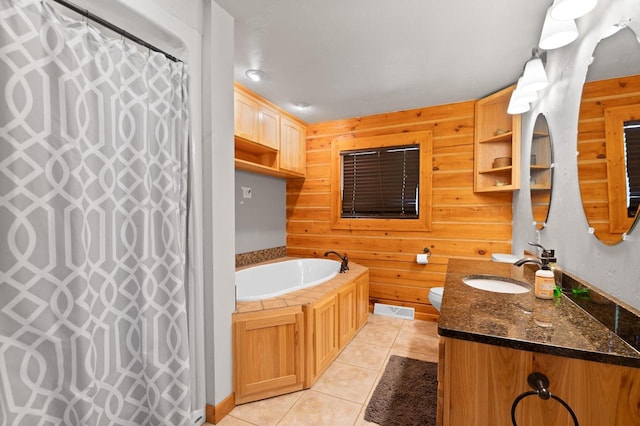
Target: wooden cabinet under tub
[(268, 353), (284, 344)]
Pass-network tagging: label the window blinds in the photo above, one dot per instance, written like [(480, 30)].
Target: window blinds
[(632, 148), (381, 183)]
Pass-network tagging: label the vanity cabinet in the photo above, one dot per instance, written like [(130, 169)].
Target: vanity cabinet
[(478, 384), (497, 139), (268, 352), (267, 139)]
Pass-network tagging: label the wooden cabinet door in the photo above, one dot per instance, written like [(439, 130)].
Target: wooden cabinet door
[(269, 128), (245, 121), (269, 353), (348, 318), (362, 300), (325, 329), (481, 381), (292, 146)]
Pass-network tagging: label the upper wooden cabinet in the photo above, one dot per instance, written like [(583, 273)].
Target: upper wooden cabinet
[(497, 144), (256, 122), (268, 140), (293, 155)]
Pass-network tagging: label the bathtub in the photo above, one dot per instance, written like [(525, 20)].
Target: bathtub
[(275, 279)]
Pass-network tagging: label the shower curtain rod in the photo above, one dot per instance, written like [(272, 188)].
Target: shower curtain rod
[(114, 28)]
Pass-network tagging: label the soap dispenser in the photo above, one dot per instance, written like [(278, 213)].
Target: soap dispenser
[(545, 282)]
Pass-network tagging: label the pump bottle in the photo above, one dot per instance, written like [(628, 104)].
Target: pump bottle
[(545, 282)]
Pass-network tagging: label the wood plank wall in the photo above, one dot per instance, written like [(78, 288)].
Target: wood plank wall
[(592, 158), (465, 224)]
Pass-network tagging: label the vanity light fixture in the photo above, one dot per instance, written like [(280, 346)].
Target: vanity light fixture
[(254, 75), (533, 79), (563, 10), (557, 33), (517, 106)]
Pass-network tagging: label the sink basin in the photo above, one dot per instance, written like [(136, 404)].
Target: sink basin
[(495, 284)]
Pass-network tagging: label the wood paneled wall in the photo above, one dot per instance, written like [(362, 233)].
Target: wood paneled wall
[(592, 159), (464, 225)]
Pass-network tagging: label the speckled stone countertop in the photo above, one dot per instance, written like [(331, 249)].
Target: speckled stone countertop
[(301, 297), (522, 321)]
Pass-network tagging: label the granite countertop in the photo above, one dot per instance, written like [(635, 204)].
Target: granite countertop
[(300, 297), (522, 321)]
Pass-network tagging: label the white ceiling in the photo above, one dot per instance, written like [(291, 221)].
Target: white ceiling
[(352, 58)]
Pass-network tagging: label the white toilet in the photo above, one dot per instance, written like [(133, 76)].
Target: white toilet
[(435, 297)]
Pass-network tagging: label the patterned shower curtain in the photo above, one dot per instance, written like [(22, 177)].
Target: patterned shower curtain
[(94, 209)]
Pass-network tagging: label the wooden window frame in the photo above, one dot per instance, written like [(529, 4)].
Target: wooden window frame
[(614, 118), (423, 222)]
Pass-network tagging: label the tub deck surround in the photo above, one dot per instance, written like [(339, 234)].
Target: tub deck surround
[(284, 343), (304, 296), (521, 321)]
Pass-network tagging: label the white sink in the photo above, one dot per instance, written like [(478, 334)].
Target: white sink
[(495, 284)]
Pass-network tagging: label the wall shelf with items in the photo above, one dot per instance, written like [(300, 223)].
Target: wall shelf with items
[(268, 140), (540, 163), (497, 144)]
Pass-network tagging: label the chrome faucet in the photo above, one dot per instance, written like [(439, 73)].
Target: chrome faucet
[(545, 253), (524, 260), (344, 266)]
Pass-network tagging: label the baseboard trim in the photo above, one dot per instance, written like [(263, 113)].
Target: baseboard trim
[(218, 412)]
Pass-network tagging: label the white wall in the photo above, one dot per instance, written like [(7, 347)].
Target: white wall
[(260, 220), (613, 269), (219, 198)]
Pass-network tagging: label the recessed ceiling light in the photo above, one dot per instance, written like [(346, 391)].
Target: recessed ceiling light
[(254, 75), (301, 105)]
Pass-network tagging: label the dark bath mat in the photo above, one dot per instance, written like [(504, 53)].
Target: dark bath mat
[(406, 394)]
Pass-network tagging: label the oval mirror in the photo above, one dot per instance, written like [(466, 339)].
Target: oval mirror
[(609, 137), (541, 171)]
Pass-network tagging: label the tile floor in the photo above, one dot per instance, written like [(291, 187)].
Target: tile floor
[(340, 395)]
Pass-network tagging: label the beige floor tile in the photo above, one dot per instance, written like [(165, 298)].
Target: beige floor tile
[(231, 421), (317, 409), (375, 334), (267, 411), (363, 355), (431, 357), (418, 326), (416, 342), (385, 321), (346, 381), (361, 421)]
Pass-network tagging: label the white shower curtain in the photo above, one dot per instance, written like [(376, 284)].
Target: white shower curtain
[(94, 226)]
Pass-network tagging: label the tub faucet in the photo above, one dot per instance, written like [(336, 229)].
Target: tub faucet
[(344, 266)]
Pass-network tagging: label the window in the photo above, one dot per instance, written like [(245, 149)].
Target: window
[(621, 136), (382, 182)]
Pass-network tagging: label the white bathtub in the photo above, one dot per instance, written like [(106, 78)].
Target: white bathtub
[(275, 279)]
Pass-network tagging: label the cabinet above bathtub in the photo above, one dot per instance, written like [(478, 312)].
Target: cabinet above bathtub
[(268, 140)]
